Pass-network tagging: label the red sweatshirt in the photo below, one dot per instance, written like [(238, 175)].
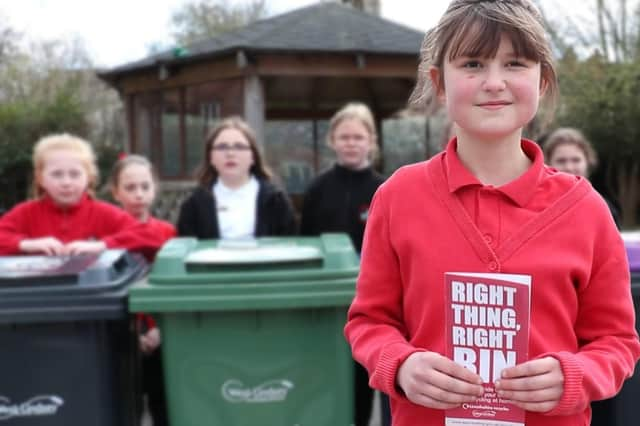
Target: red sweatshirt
[(436, 217), (165, 231), (162, 229), (89, 219)]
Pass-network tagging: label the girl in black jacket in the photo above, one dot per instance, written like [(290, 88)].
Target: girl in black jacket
[(338, 201), (235, 198)]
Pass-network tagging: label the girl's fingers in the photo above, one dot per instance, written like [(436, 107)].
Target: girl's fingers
[(446, 396), (534, 396), (531, 383), (531, 368), (454, 385), (457, 371), (427, 401)]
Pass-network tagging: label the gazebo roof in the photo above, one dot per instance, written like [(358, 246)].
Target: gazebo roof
[(321, 28)]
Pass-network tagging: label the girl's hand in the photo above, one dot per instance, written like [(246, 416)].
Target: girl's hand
[(434, 381), (85, 247), (535, 385), (150, 341), (49, 246)]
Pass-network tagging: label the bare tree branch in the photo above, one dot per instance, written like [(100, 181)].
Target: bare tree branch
[(202, 19)]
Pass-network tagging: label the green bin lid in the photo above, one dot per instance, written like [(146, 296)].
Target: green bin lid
[(265, 273), (251, 253), (192, 261)]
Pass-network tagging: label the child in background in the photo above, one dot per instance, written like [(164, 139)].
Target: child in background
[(133, 184), (338, 201), (488, 204), (567, 150), (235, 198), (65, 218)]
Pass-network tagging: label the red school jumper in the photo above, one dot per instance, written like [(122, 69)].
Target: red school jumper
[(165, 231), (162, 229), (89, 219), (435, 217)]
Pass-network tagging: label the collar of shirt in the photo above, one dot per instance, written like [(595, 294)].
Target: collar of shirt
[(50, 204), (520, 190), (246, 190), (345, 172)]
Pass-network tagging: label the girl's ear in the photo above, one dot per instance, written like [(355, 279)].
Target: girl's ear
[(543, 87), (436, 82), (114, 193)]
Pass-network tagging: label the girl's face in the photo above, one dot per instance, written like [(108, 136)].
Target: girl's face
[(63, 177), (569, 158), (352, 143), (231, 156), (135, 190), (490, 98)]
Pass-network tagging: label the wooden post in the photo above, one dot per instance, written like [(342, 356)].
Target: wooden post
[(254, 106)]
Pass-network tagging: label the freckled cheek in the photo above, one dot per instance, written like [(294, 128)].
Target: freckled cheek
[(459, 98), (460, 89), (527, 89)]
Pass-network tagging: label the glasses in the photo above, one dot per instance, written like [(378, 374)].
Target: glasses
[(225, 147)]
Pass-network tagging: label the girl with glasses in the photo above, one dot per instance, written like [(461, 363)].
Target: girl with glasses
[(235, 198)]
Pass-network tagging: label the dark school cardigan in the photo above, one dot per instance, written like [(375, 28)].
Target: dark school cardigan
[(274, 213)]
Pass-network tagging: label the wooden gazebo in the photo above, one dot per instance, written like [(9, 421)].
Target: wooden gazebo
[(286, 75)]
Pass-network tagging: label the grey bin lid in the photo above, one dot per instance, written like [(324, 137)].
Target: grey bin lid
[(36, 288)]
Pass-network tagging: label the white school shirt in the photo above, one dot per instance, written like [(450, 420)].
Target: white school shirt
[(236, 209)]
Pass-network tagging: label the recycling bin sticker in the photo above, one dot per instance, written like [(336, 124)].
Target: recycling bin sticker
[(42, 405), (235, 391)]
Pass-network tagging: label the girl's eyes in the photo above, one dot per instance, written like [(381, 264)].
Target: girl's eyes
[(475, 64), (73, 174), (471, 64), (133, 187)]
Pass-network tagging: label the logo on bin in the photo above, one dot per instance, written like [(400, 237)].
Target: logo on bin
[(272, 391), (42, 405)]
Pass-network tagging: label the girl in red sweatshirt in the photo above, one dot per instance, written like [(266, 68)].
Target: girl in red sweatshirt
[(133, 184), (489, 205), (64, 218)]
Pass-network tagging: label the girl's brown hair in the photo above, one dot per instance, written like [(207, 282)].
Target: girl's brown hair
[(207, 174), (67, 142), (474, 28), (128, 160), (570, 136)]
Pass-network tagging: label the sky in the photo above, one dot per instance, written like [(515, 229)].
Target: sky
[(115, 32)]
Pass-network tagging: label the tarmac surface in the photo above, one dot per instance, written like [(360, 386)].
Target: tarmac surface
[(375, 416)]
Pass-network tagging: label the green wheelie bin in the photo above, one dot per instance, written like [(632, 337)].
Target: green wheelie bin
[(252, 330)]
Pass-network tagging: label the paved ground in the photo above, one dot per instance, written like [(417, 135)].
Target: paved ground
[(375, 418)]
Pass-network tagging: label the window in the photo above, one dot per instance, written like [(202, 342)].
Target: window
[(171, 125), (290, 152), (404, 142), (170, 140)]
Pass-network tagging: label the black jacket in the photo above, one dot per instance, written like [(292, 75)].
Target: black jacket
[(338, 201), (274, 213)]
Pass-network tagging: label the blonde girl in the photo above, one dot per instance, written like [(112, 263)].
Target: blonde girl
[(338, 200), (65, 218)]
